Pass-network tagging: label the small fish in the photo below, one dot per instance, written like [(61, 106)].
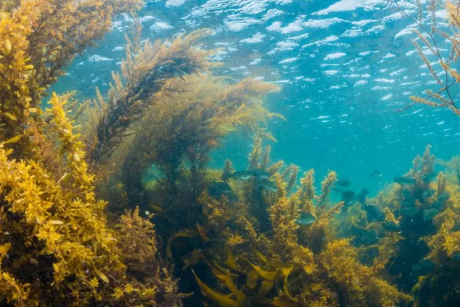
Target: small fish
[(260, 173), (348, 195), (343, 182), (305, 219), (347, 198), (268, 185), (440, 201), (428, 177), (246, 175), (409, 210), (157, 208), (241, 175), (429, 214), (404, 180), (443, 197), (376, 174), (373, 213), (226, 176), (218, 189), (192, 258), (361, 197)]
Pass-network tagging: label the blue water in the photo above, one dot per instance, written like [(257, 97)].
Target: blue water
[(344, 68)]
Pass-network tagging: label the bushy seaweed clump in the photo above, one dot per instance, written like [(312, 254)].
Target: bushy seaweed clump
[(416, 240), (56, 248), (430, 242), (283, 260), (430, 245), (38, 39)]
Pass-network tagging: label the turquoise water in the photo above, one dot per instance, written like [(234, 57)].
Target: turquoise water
[(344, 67)]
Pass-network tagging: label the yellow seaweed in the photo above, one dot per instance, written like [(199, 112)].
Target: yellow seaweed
[(268, 275), (229, 283), (286, 272), (265, 287), (187, 233), (102, 276), (252, 279), (230, 260), (13, 140), (4, 250), (218, 266), (215, 296), (301, 264), (201, 231), (260, 255)]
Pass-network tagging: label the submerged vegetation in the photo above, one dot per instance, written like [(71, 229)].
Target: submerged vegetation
[(77, 178), (429, 35)]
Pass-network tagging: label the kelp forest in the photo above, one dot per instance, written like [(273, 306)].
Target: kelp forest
[(112, 201)]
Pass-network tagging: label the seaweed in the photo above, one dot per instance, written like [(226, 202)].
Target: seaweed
[(145, 70), (79, 179), (60, 249), (39, 39), (428, 37), (187, 121), (420, 247), (56, 245), (278, 262)]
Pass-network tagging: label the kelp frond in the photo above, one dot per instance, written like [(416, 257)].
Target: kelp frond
[(188, 119), (146, 71)]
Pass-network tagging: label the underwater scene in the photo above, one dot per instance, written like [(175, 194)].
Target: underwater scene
[(230, 153)]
